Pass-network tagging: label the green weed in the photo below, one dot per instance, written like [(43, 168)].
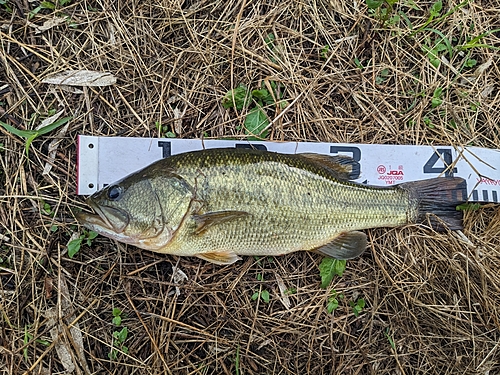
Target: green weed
[(436, 49), (384, 74), (264, 295), (435, 12), (256, 122), (470, 63), (258, 102), (163, 130), (358, 306), (358, 63), (5, 262), (31, 135), (389, 338), (6, 6), (75, 245), (237, 360), (47, 209), (468, 207), (474, 106), (383, 11), (269, 40), (27, 338), (333, 301), (324, 52), (117, 317), (238, 98), (433, 53), (437, 100), (428, 122), (476, 42), (328, 268), (119, 337), (48, 5)]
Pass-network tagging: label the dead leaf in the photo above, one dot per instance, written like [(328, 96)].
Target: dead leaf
[(285, 300), (487, 91), (483, 67), (53, 145), (264, 343), (75, 336), (50, 120), (70, 89), (173, 99), (178, 114), (178, 277), (47, 25), (112, 35), (63, 349), (48, 287), (88, 78)]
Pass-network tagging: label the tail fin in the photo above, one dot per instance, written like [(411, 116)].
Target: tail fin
[(438, 197)]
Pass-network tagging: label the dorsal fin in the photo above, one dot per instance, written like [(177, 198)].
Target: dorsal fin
[(340, 166)]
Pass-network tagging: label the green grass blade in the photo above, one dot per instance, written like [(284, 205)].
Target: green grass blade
[(18, 132), (29, 141), (54, 125), (447, 43)]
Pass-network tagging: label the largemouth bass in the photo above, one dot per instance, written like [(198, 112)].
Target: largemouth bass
[(217, 204)]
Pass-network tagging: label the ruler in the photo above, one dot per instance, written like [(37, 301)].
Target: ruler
[(104, 160)]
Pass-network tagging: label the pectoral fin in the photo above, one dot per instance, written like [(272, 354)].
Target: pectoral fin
[(220, 257), (209, 219), (340, 166), (346, 246)]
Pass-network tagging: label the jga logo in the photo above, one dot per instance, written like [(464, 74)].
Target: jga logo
[(390, 175)]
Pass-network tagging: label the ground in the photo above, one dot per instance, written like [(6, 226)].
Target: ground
[(391, 72)]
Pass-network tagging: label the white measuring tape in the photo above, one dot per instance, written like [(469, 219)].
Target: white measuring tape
[(104, 160)]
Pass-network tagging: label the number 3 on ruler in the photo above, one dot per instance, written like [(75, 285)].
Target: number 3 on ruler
[(356, 155), (443, 154)]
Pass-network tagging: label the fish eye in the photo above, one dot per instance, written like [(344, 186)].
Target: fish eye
[(114, 192)]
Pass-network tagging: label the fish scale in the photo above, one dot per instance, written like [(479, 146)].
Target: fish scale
[(220, 203), (293, 205)]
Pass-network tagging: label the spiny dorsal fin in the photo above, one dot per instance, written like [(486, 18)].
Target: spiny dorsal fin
[(220, 257), (205, 221), (340, 166), (346, 246)]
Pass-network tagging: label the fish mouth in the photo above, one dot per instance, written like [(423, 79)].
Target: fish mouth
[(102, 222)]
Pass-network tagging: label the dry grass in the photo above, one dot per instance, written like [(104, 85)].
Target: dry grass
[(434, 295)]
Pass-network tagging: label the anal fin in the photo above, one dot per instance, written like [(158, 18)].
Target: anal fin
[(220, 257), (348, 245)]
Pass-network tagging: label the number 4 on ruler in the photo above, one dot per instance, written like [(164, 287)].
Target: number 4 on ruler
[(443, 154)]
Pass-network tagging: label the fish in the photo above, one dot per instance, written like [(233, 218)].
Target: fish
[(220, 204)]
